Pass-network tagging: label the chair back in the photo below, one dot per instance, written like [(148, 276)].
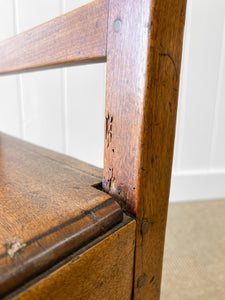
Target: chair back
[(141, 41)]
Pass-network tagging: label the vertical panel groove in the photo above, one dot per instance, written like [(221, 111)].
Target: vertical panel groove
[(64, 111), (19, 77), (217, 101), (182, 102), (64, 103)]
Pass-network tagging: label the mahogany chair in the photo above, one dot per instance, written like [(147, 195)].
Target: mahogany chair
[(70, 230)]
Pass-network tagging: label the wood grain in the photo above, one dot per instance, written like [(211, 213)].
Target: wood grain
[(143, 67), (79, 35), (144, 46), (48, 209), (103, 271)]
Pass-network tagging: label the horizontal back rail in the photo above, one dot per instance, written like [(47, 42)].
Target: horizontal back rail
[(78, 36)]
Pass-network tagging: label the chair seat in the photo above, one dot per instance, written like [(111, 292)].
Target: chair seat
[(49, 208)]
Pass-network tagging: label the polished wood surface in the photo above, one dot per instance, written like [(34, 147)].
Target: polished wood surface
[(143, 67), (48, 209), (79, 35), (101, 271), (142, 41)]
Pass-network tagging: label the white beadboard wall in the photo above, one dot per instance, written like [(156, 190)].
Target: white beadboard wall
[(63, 109)]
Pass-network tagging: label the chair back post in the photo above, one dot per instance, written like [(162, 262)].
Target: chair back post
[(144, 47), (142, 43)]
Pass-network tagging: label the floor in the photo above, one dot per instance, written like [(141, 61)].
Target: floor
[(194, 261)]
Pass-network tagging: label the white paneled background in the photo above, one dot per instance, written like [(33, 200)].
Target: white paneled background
[(63, 109)]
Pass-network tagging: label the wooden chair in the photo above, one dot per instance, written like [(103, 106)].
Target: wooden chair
[(69, 231)]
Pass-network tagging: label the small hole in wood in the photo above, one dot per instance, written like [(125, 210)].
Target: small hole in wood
[(117, 25)]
